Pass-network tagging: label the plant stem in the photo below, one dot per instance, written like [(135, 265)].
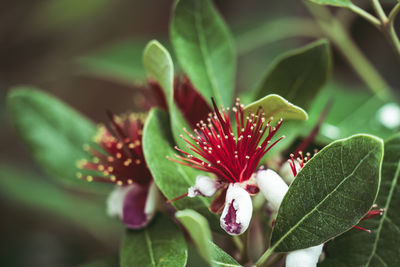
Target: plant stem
[(391, 31), (274, 259), (265, 256), (364, 14), (238, 243), (379, 10), (394, 12), (335, 31)]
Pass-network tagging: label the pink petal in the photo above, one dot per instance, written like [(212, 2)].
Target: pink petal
[(139, 205)]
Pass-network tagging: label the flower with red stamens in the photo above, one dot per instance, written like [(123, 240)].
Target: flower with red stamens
[(232, 154), (118, 159)]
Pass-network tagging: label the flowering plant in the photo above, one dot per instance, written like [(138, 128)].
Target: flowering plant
[(197, 181)]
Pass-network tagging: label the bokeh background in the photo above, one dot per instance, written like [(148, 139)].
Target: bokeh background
[(88, 53)]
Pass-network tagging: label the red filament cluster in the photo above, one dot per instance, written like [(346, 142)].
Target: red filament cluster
[(119, 156), (232, 157)]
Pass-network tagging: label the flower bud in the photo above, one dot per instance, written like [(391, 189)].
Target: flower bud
[(307, 257), (236, 216), (204, 186), (272, 187)]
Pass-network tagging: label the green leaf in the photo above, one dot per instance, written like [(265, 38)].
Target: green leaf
[(121, 61), (54, 133), (159, 66), (199, 230), (221, 258), (334, 190), (25, 188), (172, 178), (277, 107), (254, 37), (299, 74), (339, 3), (353, 110), (204, 48), (160, 244), (357, 248)]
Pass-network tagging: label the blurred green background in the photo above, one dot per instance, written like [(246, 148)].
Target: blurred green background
[(88, 53)]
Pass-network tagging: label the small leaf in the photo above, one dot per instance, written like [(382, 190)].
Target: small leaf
[(53, 131), (160, 244), (17, 185), (221, 258), (339, 3), (199, 230), (277, 107), (172, 178), (121, 61), (204, 48), (357, 248), (159, 66), (333, 191), (299, 74)]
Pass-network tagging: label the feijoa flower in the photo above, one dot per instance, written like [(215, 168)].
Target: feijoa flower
[(118, 159), (231, 152)]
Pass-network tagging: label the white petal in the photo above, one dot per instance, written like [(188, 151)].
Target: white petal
[(152, 200), (286, 171), (237, 212), (116, 199), (307, 257), (272, 187), (204, 186)]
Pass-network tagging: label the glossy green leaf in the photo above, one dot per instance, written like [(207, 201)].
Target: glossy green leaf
[(199, 230), (299, 74), (334, 190), (53, 131), (120, 62), (17, 185), (172, 178), (204, 48), (277, 107), (357, 248), (159, 244), (339, 3), (159, 66)]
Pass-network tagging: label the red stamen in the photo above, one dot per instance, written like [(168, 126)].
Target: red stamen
[(362, 229), (177, 198), (371, 214), (232, 157)]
